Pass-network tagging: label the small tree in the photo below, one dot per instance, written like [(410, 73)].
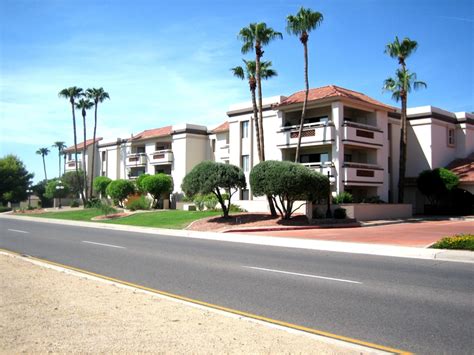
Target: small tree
[(52, 190), (286, 183), (217, 178), (100, 185), (157, 186), (436, 184), (139, 183), (73, 181), (14, 180), (120, 189)]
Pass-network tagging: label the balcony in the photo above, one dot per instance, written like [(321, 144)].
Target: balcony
[(313, 134), (136, 159), (362, 174), (71, 165), (323, 168), (224, 152), (362, 134), (164, 156)]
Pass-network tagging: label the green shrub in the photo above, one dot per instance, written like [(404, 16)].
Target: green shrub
[(340, 213), (137, 202), (53, 192), (106, 209), (139, 183), (158, 186), (120, 189), (236, 208), (372, 199), (435, 184), (459, 241), (100, 185), (343, 197), (93, 203), (210, 201), (74, 203), (198, 201), (5, 209)]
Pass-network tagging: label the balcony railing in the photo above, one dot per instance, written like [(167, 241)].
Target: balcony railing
[(224, 152), (71, 164), (164, 156), (361, 134), (362, 174), (318, 133), (323, 168), (136, 159)]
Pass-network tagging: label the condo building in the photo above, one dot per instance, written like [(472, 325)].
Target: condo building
[(347, 135)]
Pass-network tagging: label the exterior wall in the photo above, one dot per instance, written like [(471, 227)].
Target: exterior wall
[(374, 211), (419, 147)]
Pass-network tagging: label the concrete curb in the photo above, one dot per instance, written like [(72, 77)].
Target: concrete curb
[(290, 228), (310, 244)]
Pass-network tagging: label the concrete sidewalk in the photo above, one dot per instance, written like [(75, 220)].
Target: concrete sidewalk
[(311, 244)]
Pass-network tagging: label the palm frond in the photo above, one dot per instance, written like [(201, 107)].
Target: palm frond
[(238, 72), (305, 20)]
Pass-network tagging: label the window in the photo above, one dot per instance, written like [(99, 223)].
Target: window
[(321, 119), (314, 158), (160, 146), (451, 137), (347, 158), (103, 156), (213, 145), (245, 163), (140, 149), (244, 194), (244, 127)]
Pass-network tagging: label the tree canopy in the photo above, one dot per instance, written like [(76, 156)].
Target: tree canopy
[(56, 188), (435, 184), (14, 179), (120, 189), (287, 182), (217, 178), (157, 186), (100, 184)]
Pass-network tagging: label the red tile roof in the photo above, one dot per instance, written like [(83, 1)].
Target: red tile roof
[(332, 91), (80, 146), (223, 127), (464, 168), (152, 133)]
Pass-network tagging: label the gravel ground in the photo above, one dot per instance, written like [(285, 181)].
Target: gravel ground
[(45, 310)]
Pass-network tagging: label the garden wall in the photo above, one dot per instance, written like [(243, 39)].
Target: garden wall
[(373, 211)]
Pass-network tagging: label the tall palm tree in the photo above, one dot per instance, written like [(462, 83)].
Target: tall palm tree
[(43, 152), (248, 72), (254, 37), (300, 25), (84, 105), (72, 93), (401, 51), (60, 146), (98, 96), (400, 87)]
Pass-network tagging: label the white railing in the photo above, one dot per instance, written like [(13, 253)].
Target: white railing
[(164, 156), (318, 133), (306, 125), (135, 159), (362, 125)]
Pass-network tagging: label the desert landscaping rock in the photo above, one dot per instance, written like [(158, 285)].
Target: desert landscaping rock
[(44, 310)]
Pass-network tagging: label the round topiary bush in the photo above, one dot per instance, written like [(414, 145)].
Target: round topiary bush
[(120, 189)]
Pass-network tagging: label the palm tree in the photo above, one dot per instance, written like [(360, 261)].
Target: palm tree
[(98, 96), (255, 36), (400, 86), (84, 105), (72, 93), (248, 72), (43, 152), (303, 22), (401, 51), (60, 146)]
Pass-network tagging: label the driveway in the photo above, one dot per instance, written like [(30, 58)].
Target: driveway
[(413, 234)]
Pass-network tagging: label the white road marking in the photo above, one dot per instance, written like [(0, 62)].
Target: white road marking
[(18, 231), (105, 245), (305, 275)]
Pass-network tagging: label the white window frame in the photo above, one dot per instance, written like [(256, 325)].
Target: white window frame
[(244, 126), (245, 161), (451, 141)]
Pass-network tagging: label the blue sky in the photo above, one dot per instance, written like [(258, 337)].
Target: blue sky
[(168, 62)]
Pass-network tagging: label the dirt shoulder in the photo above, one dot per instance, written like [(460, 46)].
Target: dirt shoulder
[(45, 310)]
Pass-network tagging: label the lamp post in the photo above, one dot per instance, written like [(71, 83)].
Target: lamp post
[(29, 191), (328, 211), (59, 189)]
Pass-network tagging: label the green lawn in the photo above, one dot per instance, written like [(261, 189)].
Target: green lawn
[(173, 219)]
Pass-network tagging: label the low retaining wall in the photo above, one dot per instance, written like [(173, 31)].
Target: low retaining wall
[(373, 211)]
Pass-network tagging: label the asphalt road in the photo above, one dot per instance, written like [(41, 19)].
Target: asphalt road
[(423, 306)]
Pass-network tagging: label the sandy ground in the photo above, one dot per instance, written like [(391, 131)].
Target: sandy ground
[(45, 310)]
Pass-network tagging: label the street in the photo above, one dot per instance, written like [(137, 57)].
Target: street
[(423, 306)]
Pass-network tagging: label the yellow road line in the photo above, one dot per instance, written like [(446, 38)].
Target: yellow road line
[(225, 309)]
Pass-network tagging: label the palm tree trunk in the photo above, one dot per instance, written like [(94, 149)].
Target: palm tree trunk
[(84, 172), (93, 147), (75, 154), (403, 150), (257, 132), (303, 112), (59, 163), (258, 52), (44, 167)]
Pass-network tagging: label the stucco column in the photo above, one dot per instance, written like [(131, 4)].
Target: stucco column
[(382, 155), (337, 151)]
